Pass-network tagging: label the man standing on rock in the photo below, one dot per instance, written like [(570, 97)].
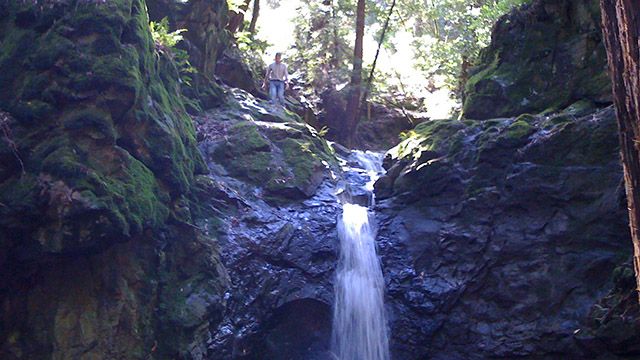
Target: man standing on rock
[(278, 79)]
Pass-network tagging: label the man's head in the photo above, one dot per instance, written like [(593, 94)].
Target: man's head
[(278, 57)]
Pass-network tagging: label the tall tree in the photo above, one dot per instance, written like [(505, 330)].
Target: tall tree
[(254, 17), (353, 105), (323, 52), (375, 59), (621, 27)]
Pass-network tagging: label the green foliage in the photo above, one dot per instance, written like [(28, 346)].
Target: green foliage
[(323, 132), (250, 49), (236, 6), (247, 42), (447, 38), (166, 42), (323, 48), (449, 34), (161, 35)]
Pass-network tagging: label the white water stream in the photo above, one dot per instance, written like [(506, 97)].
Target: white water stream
[(359, 322)]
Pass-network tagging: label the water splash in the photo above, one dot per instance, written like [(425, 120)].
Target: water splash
[(359, 323)]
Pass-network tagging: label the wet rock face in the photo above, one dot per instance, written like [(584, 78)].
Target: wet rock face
[(543, 56), (95, 180), (281, 262), (498, 237), (266, 146), (278, 236)]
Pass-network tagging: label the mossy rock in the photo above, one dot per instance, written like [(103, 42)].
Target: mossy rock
[(98, 121), (519, 129), (543, 57), (266, 146), (580, 108), (435, 136), (288, 160)]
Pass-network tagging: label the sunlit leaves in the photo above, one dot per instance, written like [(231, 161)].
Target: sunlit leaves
[(161, 35), (236, 6), (448, 32)]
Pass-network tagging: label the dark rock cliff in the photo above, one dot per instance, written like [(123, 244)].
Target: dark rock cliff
[(543, 56), (98, 257), (498, 237)]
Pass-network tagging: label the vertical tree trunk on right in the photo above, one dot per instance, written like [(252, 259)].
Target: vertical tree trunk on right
[(353, 105), (621, 28)]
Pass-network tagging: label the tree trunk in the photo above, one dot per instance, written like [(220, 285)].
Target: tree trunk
[(254, 17), (237, 18), (353, 106), (375, 59), (335, 57), (621, 27)]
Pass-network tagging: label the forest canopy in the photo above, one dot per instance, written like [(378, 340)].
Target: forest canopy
[(429, 45)]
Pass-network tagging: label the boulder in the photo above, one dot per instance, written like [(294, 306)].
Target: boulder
[(543, 57), (233, 71)]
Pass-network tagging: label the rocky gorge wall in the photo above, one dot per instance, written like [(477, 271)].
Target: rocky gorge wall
[(99, 257), (498, 237)]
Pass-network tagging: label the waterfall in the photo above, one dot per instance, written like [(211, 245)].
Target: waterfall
[(359, 322)]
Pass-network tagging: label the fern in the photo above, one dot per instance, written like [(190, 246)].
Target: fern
[(161, 35)]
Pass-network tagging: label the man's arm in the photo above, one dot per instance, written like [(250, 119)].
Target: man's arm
[(266, 77), (286, 76)]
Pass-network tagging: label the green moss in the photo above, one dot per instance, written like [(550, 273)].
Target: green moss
[(118, 69), (518, 130), (21, 197), (246, 153), (139, 196), (87, 89), (558, 119), (247, 137), (95, 121), (32, 110), (435, 135), (52, 48), (580, 108), (299, 156)]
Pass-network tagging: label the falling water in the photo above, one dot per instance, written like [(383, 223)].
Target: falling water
[(359, 324)]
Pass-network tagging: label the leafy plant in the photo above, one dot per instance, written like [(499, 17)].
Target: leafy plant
[(323, 132), (163, 38), (236, 6), (166, 42)]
